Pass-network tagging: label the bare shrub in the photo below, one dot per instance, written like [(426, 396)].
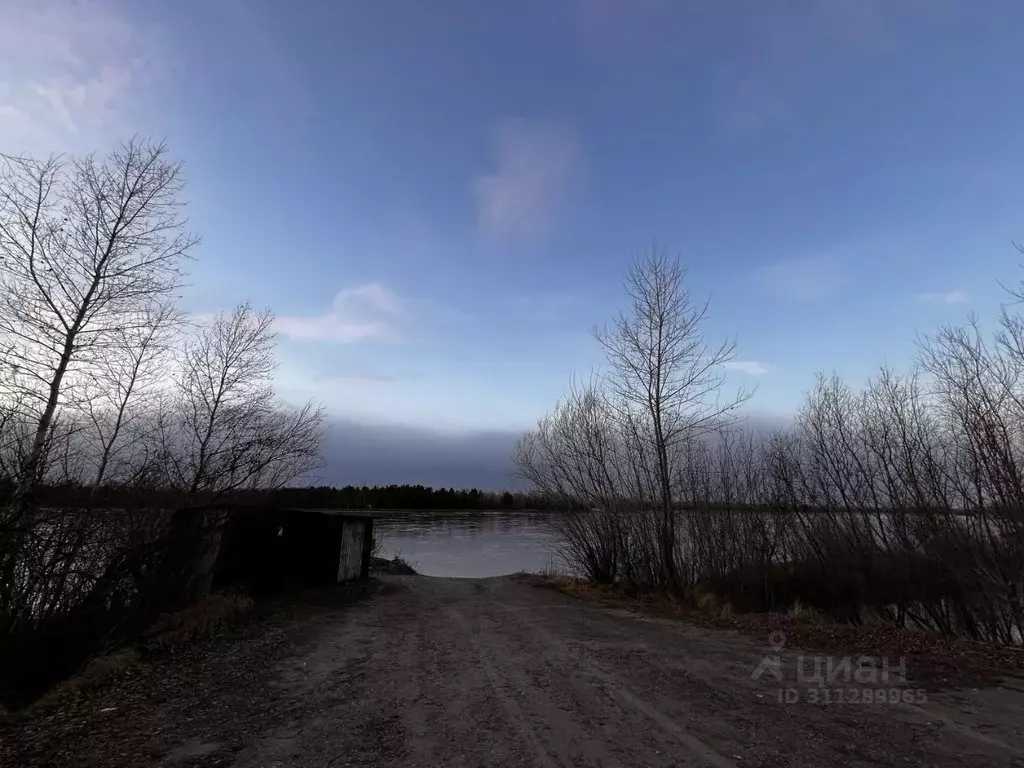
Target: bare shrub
[(614, 446), (902, 501)]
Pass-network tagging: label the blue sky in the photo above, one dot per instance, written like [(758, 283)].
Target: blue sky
[(439, 199)]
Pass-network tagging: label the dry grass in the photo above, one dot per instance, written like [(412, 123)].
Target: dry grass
[(706, 603), (801, 611), (175, 630), (934, 661), (99, 671), (170, 633), (570, 585)]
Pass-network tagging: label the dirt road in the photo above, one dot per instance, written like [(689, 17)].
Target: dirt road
[(494, 672)]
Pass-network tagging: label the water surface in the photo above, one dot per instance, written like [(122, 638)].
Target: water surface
[(468, 544)]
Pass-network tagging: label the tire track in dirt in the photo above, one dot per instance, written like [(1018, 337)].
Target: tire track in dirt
[(617, 689), (445, 707), (499, 685), (720, 663), (490, 673)]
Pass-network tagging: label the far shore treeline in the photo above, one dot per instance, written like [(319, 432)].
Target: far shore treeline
[(404, 497), (350, 497)]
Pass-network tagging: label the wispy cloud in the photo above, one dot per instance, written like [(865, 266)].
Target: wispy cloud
[(803, 278), (945, 297), (535, 166), (795, 57), (364, 313), (749, 367), (70, 68)]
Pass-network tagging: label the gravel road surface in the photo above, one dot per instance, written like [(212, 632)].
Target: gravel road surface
[(494, 672)]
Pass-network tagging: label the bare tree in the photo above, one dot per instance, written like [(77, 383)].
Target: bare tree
[(98, 386), (121, 390), (902, 500), (12, 409), (663, 371), (86, 247), (225, 429)]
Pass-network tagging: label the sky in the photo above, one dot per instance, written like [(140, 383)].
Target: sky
[(439, 200)]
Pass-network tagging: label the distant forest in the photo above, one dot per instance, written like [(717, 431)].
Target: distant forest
[(350, 497), (403, 497)]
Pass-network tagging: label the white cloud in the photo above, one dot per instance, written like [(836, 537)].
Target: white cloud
[(749, 367), (803, 278), (945, 297), (364, 313), (69, 68), (536, 164)]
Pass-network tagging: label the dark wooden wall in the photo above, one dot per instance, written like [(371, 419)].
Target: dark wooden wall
[(266, 551)]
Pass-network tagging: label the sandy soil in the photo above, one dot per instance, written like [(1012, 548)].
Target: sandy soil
[(495, 672)]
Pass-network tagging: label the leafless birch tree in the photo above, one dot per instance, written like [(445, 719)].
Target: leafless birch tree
[(662, 370)]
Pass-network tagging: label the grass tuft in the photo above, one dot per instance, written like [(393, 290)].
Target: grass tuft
[(175, 630)]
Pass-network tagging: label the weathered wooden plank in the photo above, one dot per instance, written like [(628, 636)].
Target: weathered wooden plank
[(350, 564)]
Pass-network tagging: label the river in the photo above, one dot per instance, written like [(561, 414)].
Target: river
[(468, 544)]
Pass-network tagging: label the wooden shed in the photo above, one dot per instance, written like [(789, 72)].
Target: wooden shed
[(267, 550)]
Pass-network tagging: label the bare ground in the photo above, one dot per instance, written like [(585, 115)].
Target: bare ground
[(495, 672)]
